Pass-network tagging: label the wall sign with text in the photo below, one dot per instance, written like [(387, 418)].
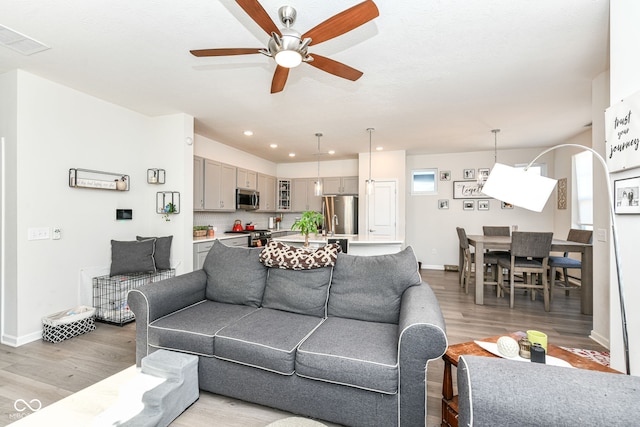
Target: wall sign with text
[(468, 190), (622, 133)]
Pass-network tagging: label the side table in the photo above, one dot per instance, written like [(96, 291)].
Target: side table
[(450, 401)]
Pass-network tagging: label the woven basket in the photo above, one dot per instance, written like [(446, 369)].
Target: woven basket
[(68, 324), (199, 233)]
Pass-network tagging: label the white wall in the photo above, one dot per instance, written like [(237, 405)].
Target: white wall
[(625, 81), (58, 128), (214, 150), (328, 168), (432, 231)]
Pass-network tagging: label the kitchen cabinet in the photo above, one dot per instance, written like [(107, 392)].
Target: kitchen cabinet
[(303, 197), (283, 188), (340, 185), (247, 179), (219, 186), (198, 183), (200, 252), (267, 190)]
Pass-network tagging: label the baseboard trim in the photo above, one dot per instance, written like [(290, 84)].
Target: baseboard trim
[(432, 267), (14, 341), (603, 341)]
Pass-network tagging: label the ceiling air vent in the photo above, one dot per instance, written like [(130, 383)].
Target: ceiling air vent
[(19, 42)]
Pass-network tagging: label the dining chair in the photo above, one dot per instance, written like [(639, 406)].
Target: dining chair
[(495, 230), (565, 262), (467, 259), (529, 254)]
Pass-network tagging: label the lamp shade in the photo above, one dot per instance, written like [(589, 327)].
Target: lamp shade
[(519, 187)]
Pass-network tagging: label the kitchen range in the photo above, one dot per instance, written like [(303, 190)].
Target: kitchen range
[(257, 237)]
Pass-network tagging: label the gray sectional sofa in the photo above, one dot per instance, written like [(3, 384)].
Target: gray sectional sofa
[(347, 343), (497, 392)]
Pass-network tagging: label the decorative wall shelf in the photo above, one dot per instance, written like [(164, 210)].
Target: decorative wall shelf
[(87, 178), (168, 202), (155, 176)]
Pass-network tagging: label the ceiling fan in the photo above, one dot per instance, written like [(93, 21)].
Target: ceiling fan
[(289, 48)]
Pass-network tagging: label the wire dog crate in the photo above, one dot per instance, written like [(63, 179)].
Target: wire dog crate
[(110, 294)]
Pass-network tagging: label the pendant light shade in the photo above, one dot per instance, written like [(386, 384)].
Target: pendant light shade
[(370, 181), (317, 187)]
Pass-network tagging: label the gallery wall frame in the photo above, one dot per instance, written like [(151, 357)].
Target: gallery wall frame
[(626, 193), (468, 190), (483, 205), (468, 205), (443, 204), (469, 173)]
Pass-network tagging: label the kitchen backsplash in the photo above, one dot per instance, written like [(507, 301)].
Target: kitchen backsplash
[(224, 220)]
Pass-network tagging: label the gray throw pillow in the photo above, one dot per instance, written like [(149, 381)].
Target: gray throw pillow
[(298, 291), (132, 257), (370, 287), (235, 275), (162, 253)]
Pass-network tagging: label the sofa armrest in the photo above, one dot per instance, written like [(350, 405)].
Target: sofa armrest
[(421, 337), (154, 300), (499, 392)]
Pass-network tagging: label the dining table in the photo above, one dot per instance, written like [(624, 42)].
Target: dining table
[(481, 242)]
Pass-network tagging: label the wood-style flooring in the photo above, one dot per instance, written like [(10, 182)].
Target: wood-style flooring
[(49, 372)]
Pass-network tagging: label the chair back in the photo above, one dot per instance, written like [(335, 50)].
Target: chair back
[(490, 230), (531, 244), (462, 236), (580, 236)]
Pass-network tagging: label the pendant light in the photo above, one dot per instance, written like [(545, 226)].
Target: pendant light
[(317, 187), (370, 182), (483, 178)]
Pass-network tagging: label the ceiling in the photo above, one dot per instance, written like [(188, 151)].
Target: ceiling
[(438, 74)]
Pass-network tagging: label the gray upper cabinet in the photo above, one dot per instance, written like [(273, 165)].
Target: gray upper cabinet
[(198, 183), (267, 190), (247, 179), (302, 196), (219, 186), (340, 185)]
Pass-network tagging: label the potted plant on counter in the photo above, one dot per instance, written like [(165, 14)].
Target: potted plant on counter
[(308, 223)]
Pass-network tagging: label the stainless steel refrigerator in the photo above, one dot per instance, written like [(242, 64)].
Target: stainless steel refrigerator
[(340, 214)]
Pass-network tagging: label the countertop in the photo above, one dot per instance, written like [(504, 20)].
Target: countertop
[(223, 236), (354, 239)]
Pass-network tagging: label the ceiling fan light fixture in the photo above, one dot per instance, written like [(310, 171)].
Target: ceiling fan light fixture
[(288, 58)]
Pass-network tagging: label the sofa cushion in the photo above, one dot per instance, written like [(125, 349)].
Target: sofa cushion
[(265, 339), (162, 251), (281, 255), (303, 292), (370, 287), (192, 329), (235, 275), (352, 352), (132, 257)]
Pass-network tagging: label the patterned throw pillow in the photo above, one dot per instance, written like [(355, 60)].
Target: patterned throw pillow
[(277, 254)]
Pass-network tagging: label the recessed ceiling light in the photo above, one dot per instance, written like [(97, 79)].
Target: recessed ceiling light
[(379, 148), (248, 132), (273, 145), (332, 151), (292, 154)]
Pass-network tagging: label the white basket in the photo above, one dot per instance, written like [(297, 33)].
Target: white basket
[(68, 324)]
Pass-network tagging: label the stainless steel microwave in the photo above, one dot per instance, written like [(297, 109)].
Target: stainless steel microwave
[(247, 199)]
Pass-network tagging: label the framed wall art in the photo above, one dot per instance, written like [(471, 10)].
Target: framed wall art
[(443, 204), (483, 173), (468, 205), (483, 205), (626, 195), (562, 193), (469, 173), (468, 190), (506, 205), (445, 175)]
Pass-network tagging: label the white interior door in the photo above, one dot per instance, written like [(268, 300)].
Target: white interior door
[(382, 210)]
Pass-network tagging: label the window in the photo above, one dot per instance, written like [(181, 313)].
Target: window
[(582, 191), (424, 181)]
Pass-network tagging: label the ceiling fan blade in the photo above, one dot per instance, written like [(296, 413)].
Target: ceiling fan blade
[(336, 68), (343, 22), (254, 9), (224, 52), (279, 79)]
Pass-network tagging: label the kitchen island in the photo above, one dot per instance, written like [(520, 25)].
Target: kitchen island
[(357, 244)]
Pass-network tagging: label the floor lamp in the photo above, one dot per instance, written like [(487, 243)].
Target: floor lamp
[(531, 191)]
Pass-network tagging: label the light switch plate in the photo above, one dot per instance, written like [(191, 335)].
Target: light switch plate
[(39, 233), (601, 235)]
